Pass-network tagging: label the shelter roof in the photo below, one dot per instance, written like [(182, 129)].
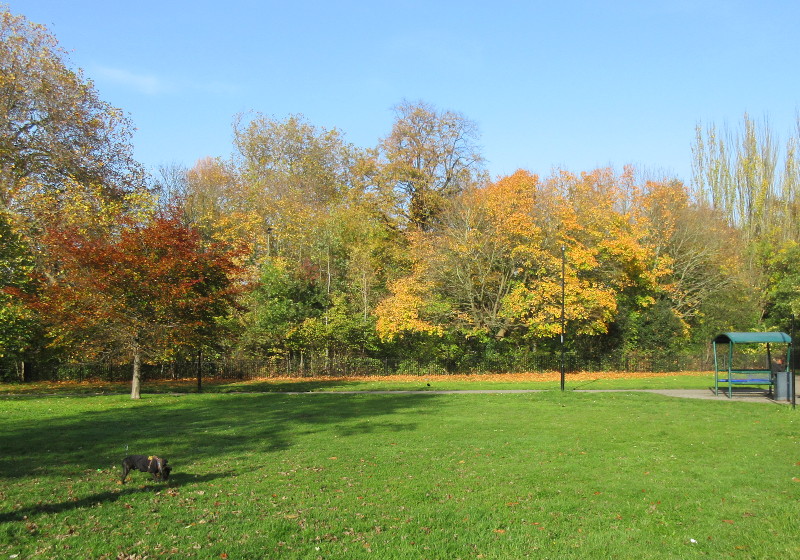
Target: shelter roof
[(752, 338)]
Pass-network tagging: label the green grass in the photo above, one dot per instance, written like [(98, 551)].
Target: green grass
[(539, 475)]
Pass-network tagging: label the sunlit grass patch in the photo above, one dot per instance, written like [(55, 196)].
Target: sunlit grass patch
[(400, 476)]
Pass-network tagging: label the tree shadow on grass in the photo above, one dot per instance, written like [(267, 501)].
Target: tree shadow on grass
[(35, 390), (190, 429), (108, 496), (267, 386)]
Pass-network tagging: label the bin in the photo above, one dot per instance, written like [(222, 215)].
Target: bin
[(782, 386)]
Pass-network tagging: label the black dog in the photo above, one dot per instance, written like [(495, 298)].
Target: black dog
[(146, 463)]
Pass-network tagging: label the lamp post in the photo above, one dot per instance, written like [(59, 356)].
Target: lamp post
[(269, 241), (790, 367), (563, 290)]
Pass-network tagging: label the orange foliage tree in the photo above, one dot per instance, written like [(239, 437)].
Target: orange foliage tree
[(494, 266)]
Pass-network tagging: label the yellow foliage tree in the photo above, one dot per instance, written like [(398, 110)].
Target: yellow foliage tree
[(403, 311), (53, 126), (495, 263)]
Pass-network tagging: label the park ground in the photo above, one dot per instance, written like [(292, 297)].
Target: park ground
[(263, 469)]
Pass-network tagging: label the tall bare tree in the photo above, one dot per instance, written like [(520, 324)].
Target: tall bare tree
[(430, 156)]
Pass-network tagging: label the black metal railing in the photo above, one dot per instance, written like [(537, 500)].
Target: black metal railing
[(319, 366)]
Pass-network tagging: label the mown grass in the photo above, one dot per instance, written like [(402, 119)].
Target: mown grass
[(539, 475)]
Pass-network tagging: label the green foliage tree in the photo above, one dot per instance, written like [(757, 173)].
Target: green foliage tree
[(19, 327), (326, 227), (755, 186), (782, 267), (277, 305)]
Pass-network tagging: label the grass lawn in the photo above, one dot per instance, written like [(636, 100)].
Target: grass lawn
[(271, 475)]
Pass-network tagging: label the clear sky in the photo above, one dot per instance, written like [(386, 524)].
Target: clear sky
[(571, 84)]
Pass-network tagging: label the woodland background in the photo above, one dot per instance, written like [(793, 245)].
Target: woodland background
[(301, 248)]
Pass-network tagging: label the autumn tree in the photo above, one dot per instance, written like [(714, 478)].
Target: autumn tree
[(293, 175), (430, 156), (221, 207), (169, 183), (322, 221), (705, 277), (409, 308), (607, 262), (150, 290), (53, 125), (292, 157), (65, 155), (493, 267), (487, 242)]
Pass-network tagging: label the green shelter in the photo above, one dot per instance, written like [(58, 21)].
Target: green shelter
[(733, 369)]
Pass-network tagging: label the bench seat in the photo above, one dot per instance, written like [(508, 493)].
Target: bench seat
[(748, 381)]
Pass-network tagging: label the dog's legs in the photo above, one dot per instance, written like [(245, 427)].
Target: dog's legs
[(125, 470)]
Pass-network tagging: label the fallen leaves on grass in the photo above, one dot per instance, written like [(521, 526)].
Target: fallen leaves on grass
[(44, 387), (521, 377)]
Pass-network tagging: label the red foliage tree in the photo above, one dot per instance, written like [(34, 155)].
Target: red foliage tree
[(154, 288)]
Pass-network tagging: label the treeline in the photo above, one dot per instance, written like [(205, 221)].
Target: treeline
[(301, 245)]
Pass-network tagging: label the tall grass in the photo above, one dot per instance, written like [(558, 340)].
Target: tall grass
[(545, 475)]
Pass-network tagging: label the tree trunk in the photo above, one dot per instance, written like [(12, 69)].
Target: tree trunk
[(137, 372)]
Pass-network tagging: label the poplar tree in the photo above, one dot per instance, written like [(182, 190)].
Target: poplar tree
[(746, 176)]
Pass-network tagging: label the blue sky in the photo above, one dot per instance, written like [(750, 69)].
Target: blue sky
[(569, 84)]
